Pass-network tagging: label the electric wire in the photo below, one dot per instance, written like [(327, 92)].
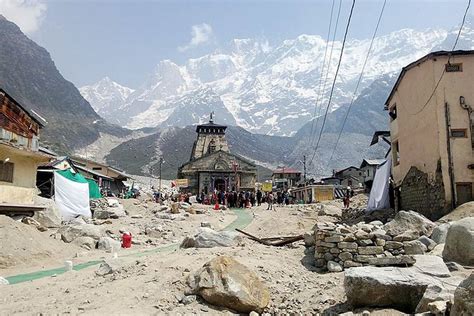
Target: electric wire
[(449, 58), (359, 80), (335, 78), (322, 69), (321, 92)]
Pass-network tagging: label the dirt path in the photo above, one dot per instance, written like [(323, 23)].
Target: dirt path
[(154, 283)]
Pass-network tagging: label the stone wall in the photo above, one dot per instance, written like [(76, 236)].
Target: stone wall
[(341, 246), (420, 194)]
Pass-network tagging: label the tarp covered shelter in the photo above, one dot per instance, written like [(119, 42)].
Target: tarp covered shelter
[(71, 194), (380, 193), (94, 190)]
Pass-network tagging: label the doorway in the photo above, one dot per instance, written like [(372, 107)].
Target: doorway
[(219, 185), (463, 193)]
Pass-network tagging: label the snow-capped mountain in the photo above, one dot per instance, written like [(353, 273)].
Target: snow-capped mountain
[(104, 96), (264, 88)]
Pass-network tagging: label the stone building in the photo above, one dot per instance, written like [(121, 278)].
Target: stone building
[(213, 167), (431, 126)]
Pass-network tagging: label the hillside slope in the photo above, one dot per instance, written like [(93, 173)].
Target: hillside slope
[(28, 73)]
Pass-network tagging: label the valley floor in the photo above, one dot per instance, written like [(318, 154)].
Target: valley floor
[(153, 281)]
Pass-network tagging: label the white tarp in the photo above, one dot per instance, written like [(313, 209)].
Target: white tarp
[(72, 198), (379, 197)]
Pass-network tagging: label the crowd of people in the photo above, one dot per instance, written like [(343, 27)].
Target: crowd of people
[(244, 199)]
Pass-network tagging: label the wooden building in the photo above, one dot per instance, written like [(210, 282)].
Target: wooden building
[(19, 153)]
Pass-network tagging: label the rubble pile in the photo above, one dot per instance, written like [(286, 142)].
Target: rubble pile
[(340, 246)]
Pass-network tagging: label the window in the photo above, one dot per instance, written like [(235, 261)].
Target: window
[(453, 67), (459, 133), (393, 112), (396, 152), (6, 171), (96, 168)]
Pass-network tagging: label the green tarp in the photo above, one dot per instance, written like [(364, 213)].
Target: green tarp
[(94, 191), (76, 177)]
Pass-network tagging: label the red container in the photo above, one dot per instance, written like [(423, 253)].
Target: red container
[(126, 240)]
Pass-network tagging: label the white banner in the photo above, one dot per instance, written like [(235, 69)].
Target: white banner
[(72, 198)]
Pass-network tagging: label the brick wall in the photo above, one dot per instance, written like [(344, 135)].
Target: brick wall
[(420, 194)]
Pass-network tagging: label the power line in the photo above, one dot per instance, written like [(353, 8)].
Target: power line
[(449, 58), (335, 77), (320, 95), (359, 80), (322, 68)]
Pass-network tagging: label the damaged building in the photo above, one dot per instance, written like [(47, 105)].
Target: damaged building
[(431, 127), (20, 155), (213, 167)]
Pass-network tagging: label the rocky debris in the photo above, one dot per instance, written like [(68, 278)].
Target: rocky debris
[(362, 244), (208, 238), (206, 224), (459, 246), (460, 212), (32, 222), (329, 210), (384, 287), (463, 298), (154, 231), (408, 289), (334, 266), (223, 281), (85, 242), (3, 281), (414, 247), (440, 232), (429, 243), (50, 217), (437, 251), (401, 288), (76, 229), (107, 208), (108, 267), (435, 299), (108, 244), (309, 239), (409, 221)]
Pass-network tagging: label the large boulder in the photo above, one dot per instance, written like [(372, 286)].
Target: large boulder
[(51, 216), (400, 288), (459, 246), (464, 298), (409, 221), (75, 230), (223, 281), (208, 238), (440, 232), (108, 244), (85, 242)]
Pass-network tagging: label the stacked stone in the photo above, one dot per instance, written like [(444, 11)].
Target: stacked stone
[(341, 246)]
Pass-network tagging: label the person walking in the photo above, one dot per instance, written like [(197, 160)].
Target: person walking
[(259, 197), (270, 201)]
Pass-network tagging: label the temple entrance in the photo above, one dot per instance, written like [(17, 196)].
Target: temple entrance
[(219, 185)]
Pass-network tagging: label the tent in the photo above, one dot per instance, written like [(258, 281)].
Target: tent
[(71, 194), (379, 197), (94, 190)]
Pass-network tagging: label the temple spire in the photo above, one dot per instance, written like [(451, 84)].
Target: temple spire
[(211, 118)]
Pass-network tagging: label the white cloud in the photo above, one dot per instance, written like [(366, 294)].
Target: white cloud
[(27, 14), (200, 34)]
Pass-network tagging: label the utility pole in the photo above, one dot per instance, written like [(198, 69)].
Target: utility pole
[(304, 169), (160, 162)]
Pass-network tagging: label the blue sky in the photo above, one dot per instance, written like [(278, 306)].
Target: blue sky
[(125, 39)]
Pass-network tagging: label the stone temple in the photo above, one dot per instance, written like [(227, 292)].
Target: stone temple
[(213, 167)]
